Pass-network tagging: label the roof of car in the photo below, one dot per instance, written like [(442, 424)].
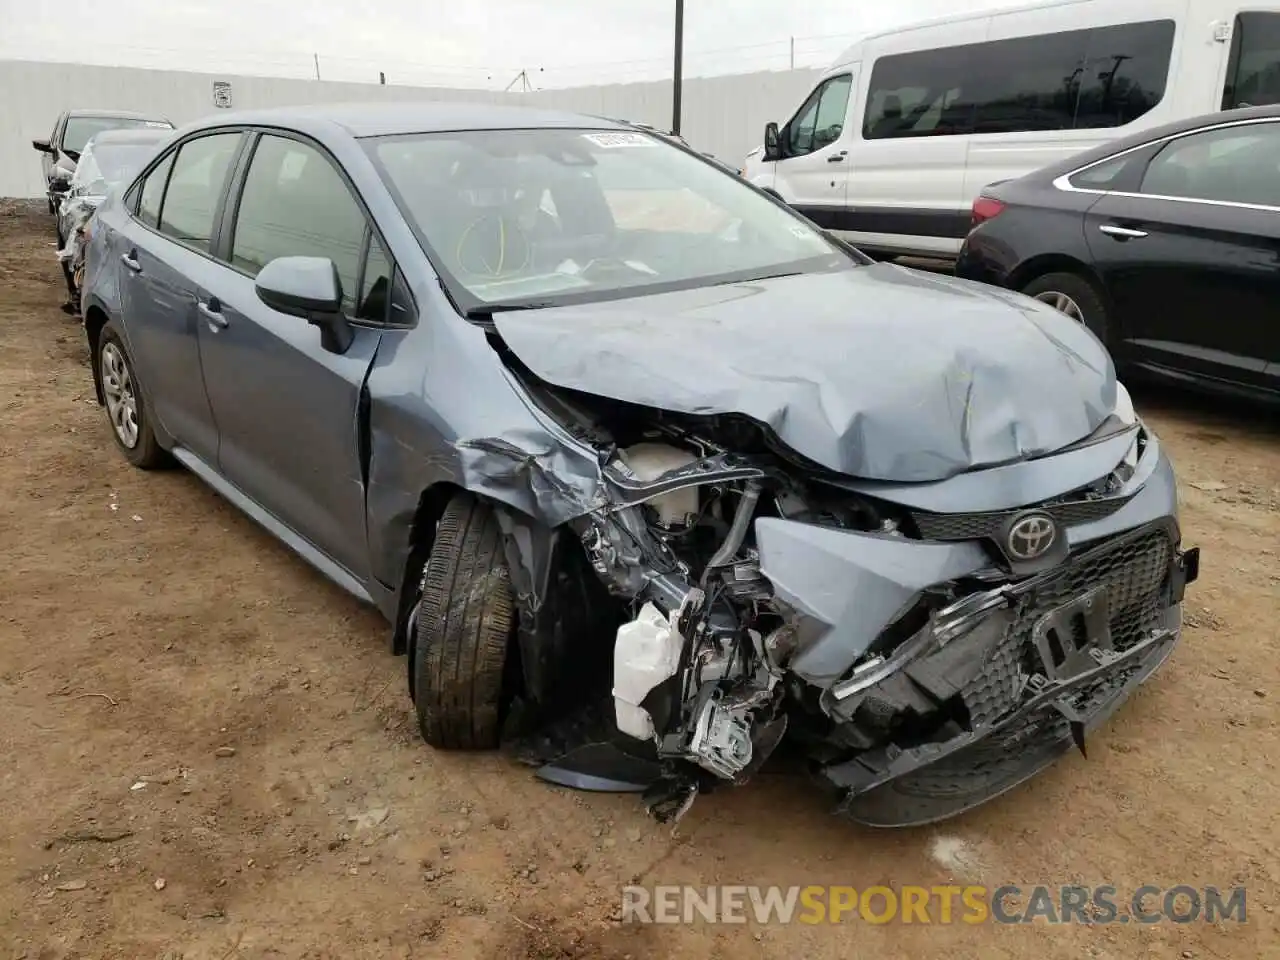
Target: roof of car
[(132, 136), (1112, 147), (114, 114), (382, 119)]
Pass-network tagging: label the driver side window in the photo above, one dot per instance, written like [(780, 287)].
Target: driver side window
[(820, 121)]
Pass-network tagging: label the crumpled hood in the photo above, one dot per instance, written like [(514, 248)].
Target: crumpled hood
[(876, 372)]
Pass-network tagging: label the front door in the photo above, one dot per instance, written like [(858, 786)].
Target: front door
[(163, 251), (287, 409), (813, 174), (1191, 260)]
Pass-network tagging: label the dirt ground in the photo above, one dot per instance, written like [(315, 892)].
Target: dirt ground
[(208, 751)]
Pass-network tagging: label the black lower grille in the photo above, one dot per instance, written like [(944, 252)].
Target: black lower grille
[(1132, 569)]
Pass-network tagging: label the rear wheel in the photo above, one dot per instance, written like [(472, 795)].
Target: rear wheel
[(127, 408), (462, 630), (1074, 296)]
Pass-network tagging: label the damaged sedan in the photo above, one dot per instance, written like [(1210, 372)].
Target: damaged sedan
[(649, 475)]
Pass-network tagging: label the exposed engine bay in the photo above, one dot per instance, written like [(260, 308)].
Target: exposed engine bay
[(714, 661)]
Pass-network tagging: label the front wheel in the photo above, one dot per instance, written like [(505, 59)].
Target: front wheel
[(462, 631), (1074, 296), (127, 408)]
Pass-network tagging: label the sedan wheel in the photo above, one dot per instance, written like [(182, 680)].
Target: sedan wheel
[(125, 402), (1075, 296), (1062, 303), (122, 402)]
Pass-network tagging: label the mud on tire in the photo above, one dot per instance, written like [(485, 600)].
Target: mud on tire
[(463, 631)]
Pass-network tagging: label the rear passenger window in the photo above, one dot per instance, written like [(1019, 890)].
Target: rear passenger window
[(295, 204), (153, 192), (1253, 72), (1074, 79), (195, 188), (1229, 165)]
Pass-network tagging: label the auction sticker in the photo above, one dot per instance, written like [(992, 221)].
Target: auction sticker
[(621, 139)]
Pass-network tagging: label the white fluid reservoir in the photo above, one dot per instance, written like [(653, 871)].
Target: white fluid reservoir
[(646, 653)]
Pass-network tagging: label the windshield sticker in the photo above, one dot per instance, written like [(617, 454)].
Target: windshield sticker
[(610, 140)]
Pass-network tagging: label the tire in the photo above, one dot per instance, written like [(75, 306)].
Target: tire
[(128, 412), (463, 631), (1079, 291)]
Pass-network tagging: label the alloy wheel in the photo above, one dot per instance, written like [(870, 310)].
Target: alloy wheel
[(121, 396), (1062, 303)]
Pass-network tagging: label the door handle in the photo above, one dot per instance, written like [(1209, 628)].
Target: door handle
[(128, 259), (837, 157), (1122, 233), (212, 313)]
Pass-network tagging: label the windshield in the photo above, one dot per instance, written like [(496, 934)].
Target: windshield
[(545, 216), (81, 129)]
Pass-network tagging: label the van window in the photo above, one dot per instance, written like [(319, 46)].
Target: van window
[(1102, 77), (1253, 71), (820, 121)]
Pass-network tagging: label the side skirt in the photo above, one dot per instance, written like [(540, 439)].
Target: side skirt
[(273, 526)]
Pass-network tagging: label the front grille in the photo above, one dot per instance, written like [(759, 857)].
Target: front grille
[(976, 526), (1133, 570)]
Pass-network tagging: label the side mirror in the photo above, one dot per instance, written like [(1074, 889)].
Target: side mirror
[(772, 142), (308, 287), (44, 146)]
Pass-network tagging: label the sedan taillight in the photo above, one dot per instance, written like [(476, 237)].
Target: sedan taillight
[(984, 209)]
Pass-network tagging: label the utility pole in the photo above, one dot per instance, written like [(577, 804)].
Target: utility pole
[(793, 53), (521, 78), (316, 57), (678, 78)]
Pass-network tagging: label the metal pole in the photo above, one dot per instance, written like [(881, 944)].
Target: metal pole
[(793, 53), (316, 57), (679, 68)]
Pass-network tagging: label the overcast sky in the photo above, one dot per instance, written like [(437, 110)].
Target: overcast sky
[(476, 43)]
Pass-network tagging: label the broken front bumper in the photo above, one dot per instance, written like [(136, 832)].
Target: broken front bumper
[(1039, 667)]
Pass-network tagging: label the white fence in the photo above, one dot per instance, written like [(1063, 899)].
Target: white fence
[(721, 115)]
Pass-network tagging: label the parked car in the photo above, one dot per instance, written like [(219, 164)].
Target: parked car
[(698, 461), (108, 159), (1165, 244), (73, 129), (906, 127)]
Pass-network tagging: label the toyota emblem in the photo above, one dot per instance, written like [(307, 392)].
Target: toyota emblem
[(1031, 536)]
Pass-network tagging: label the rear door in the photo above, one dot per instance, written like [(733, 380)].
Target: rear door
[(164, 251), (288, 411), (1191, 258)]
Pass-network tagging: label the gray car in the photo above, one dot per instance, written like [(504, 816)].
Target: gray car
[(646, 472), (71, 132)]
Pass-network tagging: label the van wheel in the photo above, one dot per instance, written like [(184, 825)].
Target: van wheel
[(1073, 295), (462, 630)]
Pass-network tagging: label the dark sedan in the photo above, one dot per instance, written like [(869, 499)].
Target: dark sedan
[(1165, 244)]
